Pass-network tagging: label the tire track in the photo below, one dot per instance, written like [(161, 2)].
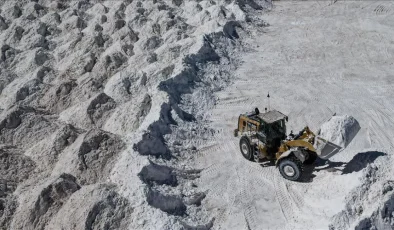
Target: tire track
[(379, 131), (381, 10), (246, 201), (233, 185), (284, 200)]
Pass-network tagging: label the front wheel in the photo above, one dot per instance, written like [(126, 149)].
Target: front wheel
[(290, 168), (245, 148)]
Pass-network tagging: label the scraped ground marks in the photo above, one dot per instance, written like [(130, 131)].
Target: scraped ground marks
[(230, 182), (355, 85)]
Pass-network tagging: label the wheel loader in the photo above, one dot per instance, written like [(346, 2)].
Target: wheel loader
[(263, 138)]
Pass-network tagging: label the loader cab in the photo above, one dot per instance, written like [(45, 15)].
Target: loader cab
[(273, 124), (270, 127)]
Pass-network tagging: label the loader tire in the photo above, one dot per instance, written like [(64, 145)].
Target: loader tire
[(311, 158), (291, 168), (246, 149)]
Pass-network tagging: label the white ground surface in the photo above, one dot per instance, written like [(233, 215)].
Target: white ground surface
[(315, 59)]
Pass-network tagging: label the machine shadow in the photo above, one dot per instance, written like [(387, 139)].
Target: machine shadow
[(308, 174), (361, 160), (356, 164)]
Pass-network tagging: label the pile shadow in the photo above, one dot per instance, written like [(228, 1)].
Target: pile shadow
[(356, 164)]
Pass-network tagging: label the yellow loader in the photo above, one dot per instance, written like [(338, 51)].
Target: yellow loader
[(263, 138)]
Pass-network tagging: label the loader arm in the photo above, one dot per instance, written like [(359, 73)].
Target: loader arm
[(290, 147), (301, 143), (307, 139)]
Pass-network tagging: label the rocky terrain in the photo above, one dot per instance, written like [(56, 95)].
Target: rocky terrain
[(89, 92), (107, 121)]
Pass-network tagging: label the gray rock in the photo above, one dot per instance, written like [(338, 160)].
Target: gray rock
[(159, 174), (170, 204)]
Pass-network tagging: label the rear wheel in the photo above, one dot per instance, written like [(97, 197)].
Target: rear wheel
[(291, 168), (245, 148)]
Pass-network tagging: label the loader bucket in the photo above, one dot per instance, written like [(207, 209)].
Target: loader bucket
[(326, 149)]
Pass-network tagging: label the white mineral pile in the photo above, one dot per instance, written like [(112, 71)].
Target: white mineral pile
[(340, 130), (371, 204), (89, 92)]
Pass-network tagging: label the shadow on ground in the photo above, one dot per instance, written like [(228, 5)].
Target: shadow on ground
[(361, 160), (356, 164)]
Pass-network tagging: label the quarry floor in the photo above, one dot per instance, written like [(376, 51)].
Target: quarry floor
[(315, 59)]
